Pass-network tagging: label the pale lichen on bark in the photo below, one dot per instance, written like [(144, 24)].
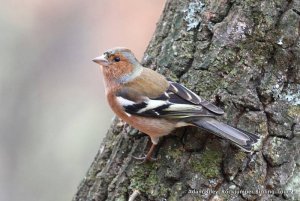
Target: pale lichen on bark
[(245, 57)]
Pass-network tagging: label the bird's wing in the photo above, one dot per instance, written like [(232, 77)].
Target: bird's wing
[(191, 97), (170, 104)]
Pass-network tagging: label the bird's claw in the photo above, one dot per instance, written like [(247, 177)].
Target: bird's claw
[(144, 159)]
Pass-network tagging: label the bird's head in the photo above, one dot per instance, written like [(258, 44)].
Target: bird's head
[(119, 65)]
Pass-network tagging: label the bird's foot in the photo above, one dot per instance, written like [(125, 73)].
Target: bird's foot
[(144, 159), (147, 157)]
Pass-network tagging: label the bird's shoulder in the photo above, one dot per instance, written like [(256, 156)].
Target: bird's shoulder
[(149, 83)]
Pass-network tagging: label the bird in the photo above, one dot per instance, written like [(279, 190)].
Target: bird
[(156, 106)]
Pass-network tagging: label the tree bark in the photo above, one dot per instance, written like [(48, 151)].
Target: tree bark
[(244, 57)]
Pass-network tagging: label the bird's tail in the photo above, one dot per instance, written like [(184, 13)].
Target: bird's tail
[(240, 138)]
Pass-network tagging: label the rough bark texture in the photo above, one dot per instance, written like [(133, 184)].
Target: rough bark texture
[(244, 55)]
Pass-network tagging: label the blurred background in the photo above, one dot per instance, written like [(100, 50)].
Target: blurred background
[(53, 114)]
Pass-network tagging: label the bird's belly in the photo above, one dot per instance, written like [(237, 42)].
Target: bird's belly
[(154, 127)]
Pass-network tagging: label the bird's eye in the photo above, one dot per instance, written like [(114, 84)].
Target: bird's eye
[(117, 59)]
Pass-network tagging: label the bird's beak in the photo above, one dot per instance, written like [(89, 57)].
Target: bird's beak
[(101, 60)]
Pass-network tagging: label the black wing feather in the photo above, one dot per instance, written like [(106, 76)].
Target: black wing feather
[(191, 97)]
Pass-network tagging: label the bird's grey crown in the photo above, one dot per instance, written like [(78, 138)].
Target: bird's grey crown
[(117, 49), (124, 51)]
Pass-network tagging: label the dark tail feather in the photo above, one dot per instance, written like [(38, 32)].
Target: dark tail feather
[(240, 138)]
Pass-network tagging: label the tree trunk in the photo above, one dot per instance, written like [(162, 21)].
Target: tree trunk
[(243, 56)]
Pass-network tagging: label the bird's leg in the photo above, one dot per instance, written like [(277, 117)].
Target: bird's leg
[(148, 157), (150, 152)]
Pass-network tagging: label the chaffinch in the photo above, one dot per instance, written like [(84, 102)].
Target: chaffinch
[(156, 106)]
